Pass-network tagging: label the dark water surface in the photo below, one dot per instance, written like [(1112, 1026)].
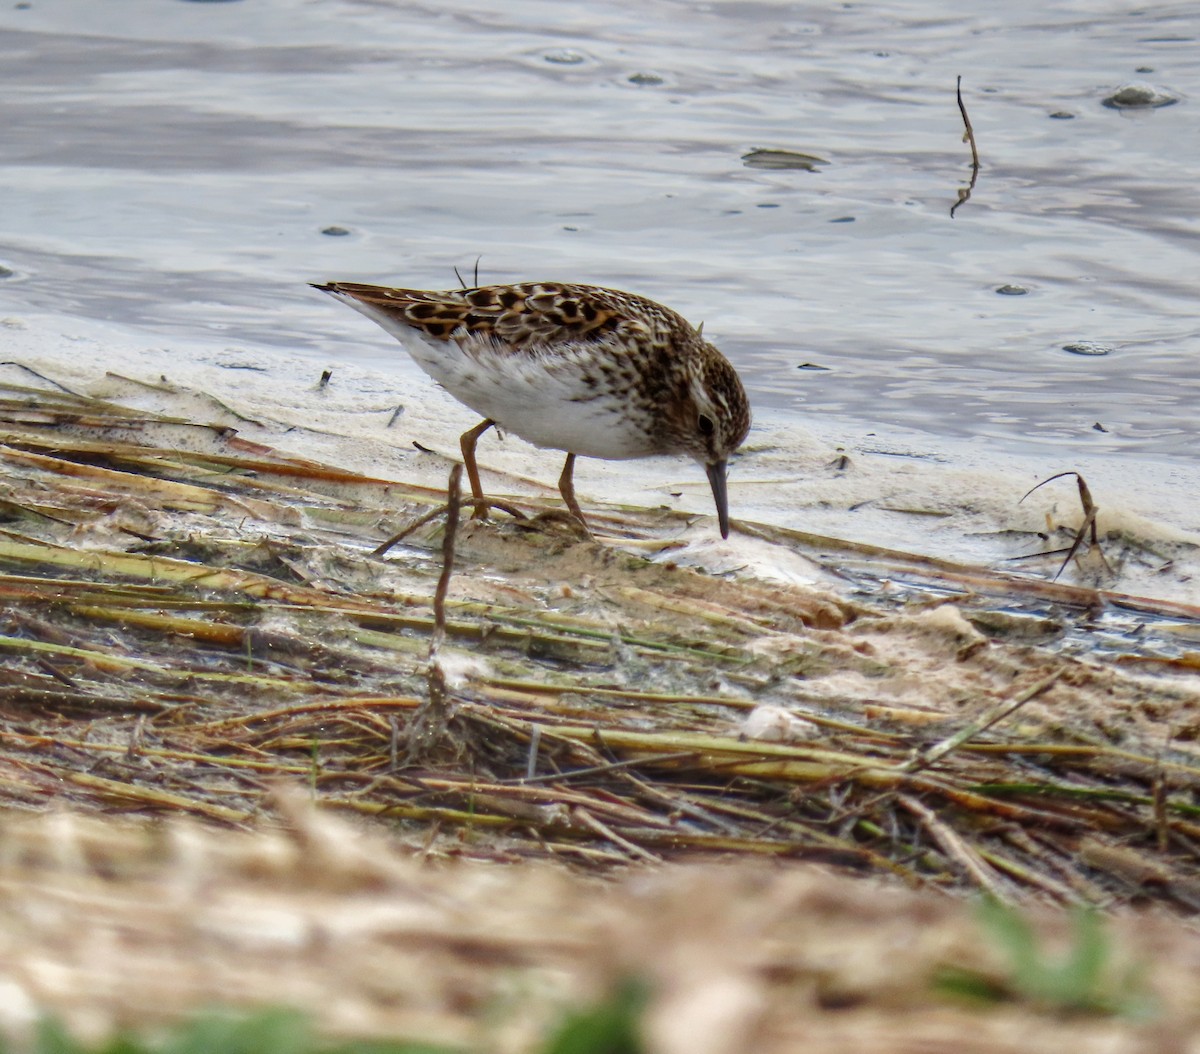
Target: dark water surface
[(173, 166)]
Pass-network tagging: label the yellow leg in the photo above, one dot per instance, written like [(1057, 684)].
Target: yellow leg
[(566, 487), (467, 445)]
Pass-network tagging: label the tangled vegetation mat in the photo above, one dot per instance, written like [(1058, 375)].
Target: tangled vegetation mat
[(189, 617)]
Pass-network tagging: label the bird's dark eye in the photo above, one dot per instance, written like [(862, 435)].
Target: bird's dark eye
[(705, 424)]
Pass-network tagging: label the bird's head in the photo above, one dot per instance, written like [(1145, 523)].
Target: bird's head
[(712, 419)]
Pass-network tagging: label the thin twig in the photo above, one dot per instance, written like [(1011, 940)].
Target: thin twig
[(588, 820), (953, 845), (453, 503), (400, 535), (1087, 527), (43, 377), (476, 278), (429, 722), (969, 133), (994, 716), (535, 739), (964, 193)]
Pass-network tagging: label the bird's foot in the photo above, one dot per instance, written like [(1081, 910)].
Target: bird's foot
[(561, 517)]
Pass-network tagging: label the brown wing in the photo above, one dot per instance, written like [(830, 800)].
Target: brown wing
[(524, 316)]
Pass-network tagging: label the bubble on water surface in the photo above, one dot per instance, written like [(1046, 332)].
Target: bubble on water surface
[(782, 159), (565, 57), (1087, 347), (1139, 95)]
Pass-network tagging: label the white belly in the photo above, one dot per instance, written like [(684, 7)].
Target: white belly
[(542, 399)]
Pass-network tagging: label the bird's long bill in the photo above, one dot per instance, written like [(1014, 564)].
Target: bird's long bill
[(716, 476)]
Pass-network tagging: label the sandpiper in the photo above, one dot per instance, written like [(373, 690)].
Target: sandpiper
[(591, 371)]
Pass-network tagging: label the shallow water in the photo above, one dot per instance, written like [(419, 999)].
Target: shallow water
[(174, 169)]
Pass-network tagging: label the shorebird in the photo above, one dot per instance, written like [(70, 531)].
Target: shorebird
[(591, 371)]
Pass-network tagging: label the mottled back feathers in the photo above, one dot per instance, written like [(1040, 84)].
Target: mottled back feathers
[(522, 317)]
